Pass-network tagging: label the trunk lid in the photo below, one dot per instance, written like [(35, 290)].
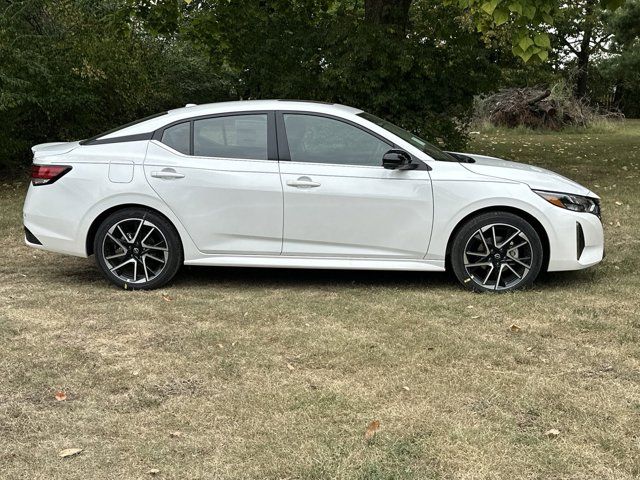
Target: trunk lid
[(53, 148)]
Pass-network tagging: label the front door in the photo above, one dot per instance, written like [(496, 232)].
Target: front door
[(338, 199), (219, 175)]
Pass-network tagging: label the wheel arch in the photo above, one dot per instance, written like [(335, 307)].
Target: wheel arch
[(535, 223), (93, 228)]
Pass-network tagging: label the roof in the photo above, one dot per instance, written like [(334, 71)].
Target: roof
[(277, 104), (235, 106)]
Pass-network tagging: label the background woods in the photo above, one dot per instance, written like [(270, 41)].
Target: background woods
[(72, 68)]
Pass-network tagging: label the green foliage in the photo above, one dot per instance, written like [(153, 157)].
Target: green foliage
[(278, 50), (620, 70), (72, 68), (525, 19)]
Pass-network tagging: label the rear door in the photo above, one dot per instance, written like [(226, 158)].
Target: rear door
[(219, 175), (338, 199)]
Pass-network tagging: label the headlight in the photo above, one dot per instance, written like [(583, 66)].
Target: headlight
[(575, 203)]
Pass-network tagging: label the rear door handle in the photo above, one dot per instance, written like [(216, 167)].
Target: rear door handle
[(303, 182), (168, 173)]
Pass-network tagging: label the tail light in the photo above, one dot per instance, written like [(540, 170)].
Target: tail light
[(46, 174)]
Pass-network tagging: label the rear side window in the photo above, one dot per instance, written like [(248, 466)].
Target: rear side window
[(178, 137), (234, 136)]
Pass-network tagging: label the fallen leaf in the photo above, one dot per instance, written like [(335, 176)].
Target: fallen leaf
[(166, 298), (514, 328), (60, 396), (290, 367), (553, 433), (69, 452), (153, 471), (371, 430)]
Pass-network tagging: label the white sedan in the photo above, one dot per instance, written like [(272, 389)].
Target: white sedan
[(294, 184)]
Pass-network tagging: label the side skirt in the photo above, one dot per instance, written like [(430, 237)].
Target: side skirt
[(318, 262)]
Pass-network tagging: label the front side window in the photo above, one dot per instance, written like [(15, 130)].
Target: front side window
[(178, 137), (326, 140), (234, 136), (431, 150)]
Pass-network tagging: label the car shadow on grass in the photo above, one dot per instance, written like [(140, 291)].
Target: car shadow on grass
[(305, 278), (241, 277)]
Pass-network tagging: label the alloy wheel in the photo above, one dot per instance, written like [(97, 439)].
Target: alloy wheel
[(498, 256), (135, 250)]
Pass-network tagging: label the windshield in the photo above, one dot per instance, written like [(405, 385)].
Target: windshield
[(431, 150)]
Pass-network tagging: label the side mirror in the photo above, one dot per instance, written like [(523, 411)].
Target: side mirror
[(397, 160)]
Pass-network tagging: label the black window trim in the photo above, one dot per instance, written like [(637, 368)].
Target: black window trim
[(283, 143), (272, 148), (98, 140)]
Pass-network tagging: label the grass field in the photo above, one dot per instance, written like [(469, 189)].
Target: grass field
[(243, 373)]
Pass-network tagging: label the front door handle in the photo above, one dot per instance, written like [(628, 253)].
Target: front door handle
[(303, 182), (168, 173)]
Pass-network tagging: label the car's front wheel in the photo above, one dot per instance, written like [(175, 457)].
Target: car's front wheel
[(496, 251), (138, 249)]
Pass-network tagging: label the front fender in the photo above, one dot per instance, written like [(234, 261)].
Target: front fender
[(456, 201)]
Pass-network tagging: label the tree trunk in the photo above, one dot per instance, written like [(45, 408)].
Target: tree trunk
[(582, 75), (391, 13), (618, 95)]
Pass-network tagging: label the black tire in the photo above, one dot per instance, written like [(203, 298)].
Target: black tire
[(483, 264), (156, 249)]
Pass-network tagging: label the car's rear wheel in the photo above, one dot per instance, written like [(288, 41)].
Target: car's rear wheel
[(138, 249), (496, 251)]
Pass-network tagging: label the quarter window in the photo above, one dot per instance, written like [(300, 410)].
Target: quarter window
[(325, 140), (177, 137), (236, 136)]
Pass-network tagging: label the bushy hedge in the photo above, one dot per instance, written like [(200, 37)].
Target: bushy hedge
[(72, 68)]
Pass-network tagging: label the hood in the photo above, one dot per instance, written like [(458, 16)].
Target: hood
[(536, 177), (54, 148)]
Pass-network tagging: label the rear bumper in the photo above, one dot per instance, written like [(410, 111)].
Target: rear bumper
[(51, 220)]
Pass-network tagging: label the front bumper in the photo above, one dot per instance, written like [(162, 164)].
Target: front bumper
[(578, 241)]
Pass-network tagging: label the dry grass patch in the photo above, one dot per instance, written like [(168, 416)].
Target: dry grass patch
[(277, 373)]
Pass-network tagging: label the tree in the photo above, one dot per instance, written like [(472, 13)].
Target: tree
[(72, 68), (528, 20), (581, 33), (315, 49), (620, 69), (394, 13)]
